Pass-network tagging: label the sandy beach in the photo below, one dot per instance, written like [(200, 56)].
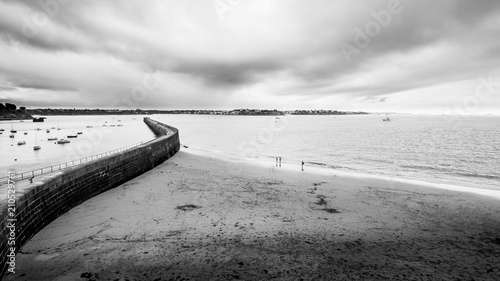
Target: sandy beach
[(201, 216)]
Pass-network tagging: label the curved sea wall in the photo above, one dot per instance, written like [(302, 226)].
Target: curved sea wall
[(43, 201)]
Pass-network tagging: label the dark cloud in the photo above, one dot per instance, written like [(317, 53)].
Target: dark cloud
[(228, 74), (472, 12)]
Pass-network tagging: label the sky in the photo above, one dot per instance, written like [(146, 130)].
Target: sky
[(437, 57)]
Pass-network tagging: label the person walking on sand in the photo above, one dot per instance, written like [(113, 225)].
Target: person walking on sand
[(302, 165)]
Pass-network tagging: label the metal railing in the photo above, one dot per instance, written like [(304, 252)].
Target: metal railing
[(31, 174)]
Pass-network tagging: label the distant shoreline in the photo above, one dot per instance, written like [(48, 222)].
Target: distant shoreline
[(237, 112), (14, 119)]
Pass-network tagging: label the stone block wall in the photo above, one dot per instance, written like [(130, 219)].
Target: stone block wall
[(43, 201)]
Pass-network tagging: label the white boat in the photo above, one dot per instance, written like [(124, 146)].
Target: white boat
[(36, 147), (88, 126), (386, 119), (63, 141), (21, 143), (52, 138), (37, 129)]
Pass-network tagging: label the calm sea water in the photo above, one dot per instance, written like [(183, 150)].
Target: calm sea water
[(451, 150), (435, 149), (92, 141)]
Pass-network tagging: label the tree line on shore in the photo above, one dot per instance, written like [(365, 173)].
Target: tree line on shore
[(10, 111), (75, 111)]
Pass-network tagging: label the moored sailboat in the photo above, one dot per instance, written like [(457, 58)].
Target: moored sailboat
[(36, 147)]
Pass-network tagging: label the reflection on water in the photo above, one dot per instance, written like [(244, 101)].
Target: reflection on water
[(460, 151)]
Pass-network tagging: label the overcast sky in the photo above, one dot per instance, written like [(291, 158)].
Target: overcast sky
[(402, 56)]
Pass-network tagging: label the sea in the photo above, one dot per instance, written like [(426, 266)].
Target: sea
[(99, 134), (454, 150)]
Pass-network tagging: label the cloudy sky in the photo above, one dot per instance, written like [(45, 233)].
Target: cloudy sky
[(372, 55)]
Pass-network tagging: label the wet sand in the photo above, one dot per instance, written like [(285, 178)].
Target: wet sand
[(196, 218)]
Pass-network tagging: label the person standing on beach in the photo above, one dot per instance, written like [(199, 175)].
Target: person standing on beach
[(276, 161), (280, 162), (302, 165)]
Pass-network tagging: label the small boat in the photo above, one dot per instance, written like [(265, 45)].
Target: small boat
[(112, 125), (79, 133), (88, 126), (53, 128), (120, 125), (1, 130), (21, 143), (58, 128), (52, 138), (25, 133), (72, 136), (47, 131), (11, 136), (13, 131), (36, 147), (37, 129), (386, 119), (63, 141)]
